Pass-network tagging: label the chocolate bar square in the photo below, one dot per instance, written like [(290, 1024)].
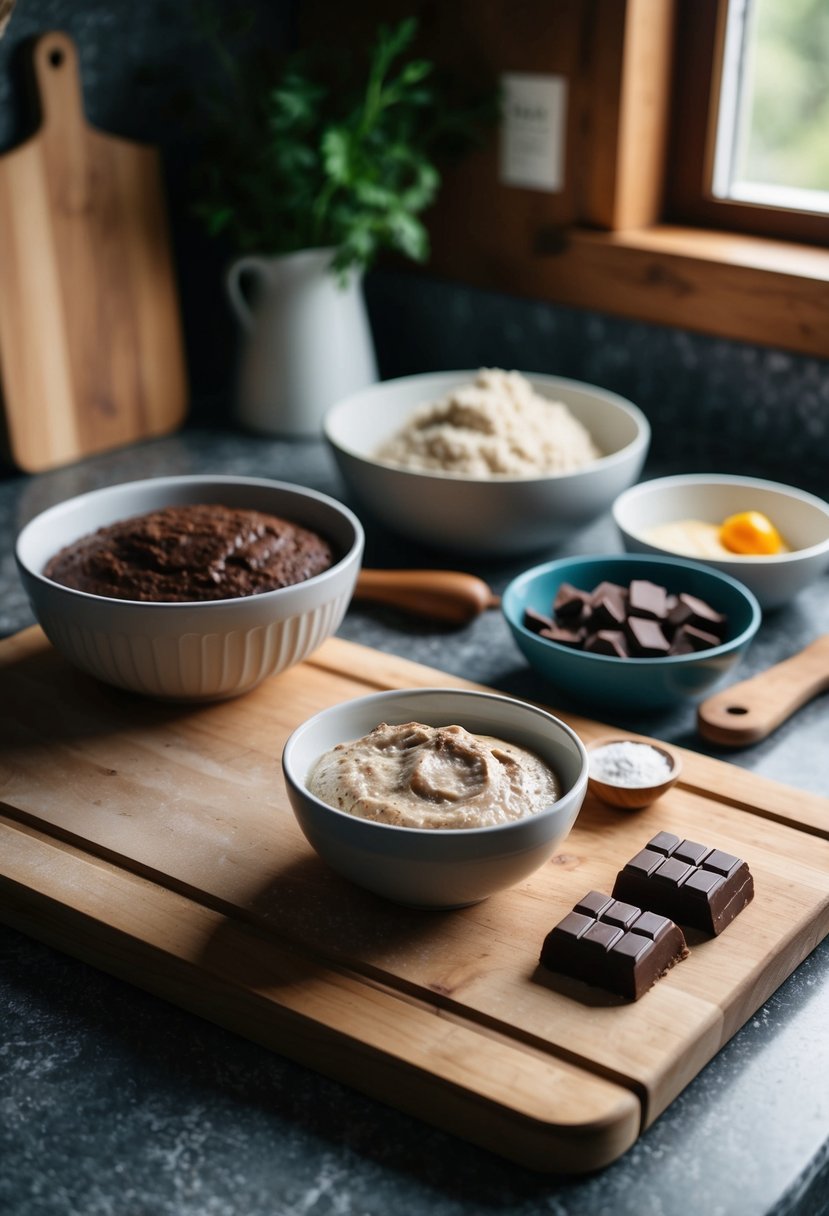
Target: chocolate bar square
[(613, 945), (693, 884)]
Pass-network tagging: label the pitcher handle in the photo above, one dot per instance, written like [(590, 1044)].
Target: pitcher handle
[(242, 266)]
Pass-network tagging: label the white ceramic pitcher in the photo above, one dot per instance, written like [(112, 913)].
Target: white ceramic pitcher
[(308, 341)]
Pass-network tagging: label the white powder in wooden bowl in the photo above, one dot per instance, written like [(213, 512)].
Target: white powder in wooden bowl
[(497, 426)]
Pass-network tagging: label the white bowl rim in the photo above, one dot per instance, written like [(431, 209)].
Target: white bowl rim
[(642, 488), (379, 698), (640, 440), (631, 661), (158, 606)]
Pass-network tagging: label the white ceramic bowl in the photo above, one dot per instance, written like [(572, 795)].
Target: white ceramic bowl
[(190, 651), (427, 867), (800, 518), (489, 517)]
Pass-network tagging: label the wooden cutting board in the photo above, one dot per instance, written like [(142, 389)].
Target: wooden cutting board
[(156, 842), (91, 351)]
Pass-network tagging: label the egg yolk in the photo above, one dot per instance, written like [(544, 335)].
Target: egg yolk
[(750, 533)]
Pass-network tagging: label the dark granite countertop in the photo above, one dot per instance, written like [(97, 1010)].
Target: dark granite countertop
[(114, 1102)]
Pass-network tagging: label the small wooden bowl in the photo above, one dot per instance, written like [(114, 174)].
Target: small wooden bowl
[(632, 797)]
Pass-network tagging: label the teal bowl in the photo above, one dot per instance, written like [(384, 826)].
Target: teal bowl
[(631, 683)]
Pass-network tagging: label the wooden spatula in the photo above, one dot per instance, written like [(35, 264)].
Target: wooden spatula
[(91, 353), (752, 709)]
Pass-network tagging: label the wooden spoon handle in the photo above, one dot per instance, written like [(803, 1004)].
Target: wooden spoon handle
[(446, 595), (747, 712)]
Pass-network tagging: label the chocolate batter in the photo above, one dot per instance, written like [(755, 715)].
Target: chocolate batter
[(200, 552)]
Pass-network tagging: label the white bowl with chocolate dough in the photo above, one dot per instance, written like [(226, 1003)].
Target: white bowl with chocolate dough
[(802, 520), (436, 866), (498, 514), (193, 650)]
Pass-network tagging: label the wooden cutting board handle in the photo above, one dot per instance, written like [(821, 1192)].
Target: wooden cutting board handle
[(747, 712), (446, 595), (58, 80)]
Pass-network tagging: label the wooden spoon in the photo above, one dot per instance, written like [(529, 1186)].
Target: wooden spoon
[(446, 595), (748, 711)]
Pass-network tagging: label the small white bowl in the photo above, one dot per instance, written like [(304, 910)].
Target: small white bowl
[(800, 518), (190, 651), (428, 867), (494, 517)]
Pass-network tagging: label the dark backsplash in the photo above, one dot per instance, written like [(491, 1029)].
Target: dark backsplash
[(713, 405)]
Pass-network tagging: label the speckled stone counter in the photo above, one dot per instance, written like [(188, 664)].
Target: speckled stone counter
[(113, 1102)]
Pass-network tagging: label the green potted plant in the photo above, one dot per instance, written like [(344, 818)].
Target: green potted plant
[(310, 173)]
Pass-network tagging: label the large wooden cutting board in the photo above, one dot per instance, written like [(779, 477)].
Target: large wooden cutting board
[(156, 841), (91, 351)]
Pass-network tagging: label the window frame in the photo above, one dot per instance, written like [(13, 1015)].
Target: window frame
[(701, 26)]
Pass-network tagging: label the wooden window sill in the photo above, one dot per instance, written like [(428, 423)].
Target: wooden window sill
[(740, 287)]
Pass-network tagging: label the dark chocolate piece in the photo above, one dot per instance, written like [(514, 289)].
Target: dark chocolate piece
[(536, 621), (569, 602), (613, 945), (606, 590), (608, 641), (693, 884), (647, 599), (647, 641), (690, 610), (607, 613), (564, 637), (687, 638)]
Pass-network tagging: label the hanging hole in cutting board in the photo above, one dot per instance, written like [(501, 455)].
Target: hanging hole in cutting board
[(736, 709), (57, 58)]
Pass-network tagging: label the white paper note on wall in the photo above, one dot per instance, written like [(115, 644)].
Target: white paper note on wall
[(533, 130)]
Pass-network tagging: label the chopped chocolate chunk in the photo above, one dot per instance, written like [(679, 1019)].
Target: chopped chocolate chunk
[(607, 613), (687, 638), (569, 602), (614, 945), (695, 885), (647, 599), (689, 610), (564, 637), (608, 641), (646, 638), (608, 590), (536, 621)]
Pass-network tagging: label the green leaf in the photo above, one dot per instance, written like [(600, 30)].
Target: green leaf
[(336, 154), (319, 152)]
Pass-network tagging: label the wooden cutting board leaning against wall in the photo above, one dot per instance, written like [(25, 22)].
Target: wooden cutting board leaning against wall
[(91, 351)]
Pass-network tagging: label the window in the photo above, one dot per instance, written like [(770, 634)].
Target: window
[(751, 130), (772, 135)]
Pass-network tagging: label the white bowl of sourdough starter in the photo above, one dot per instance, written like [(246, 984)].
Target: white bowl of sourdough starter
[(192, 650), (486, 516), (434, 867)]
